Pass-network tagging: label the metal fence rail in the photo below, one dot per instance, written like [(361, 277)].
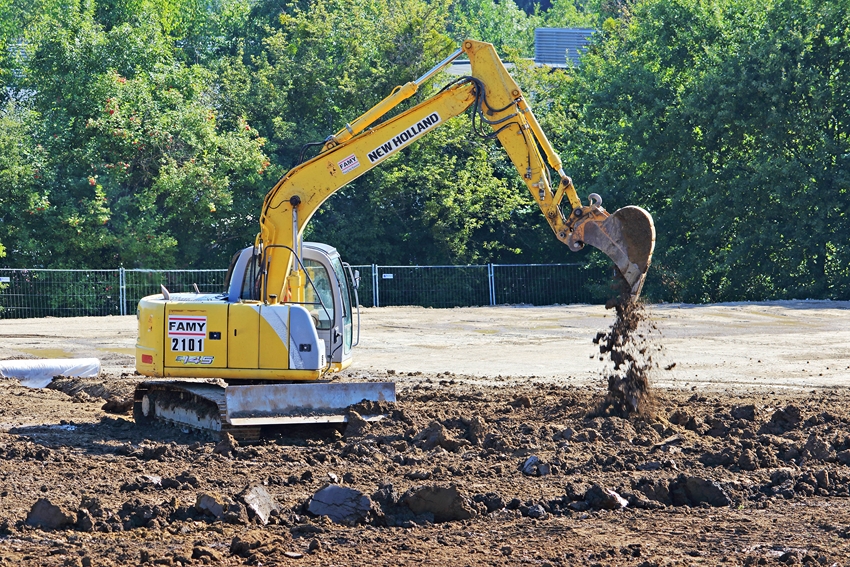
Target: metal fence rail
[(139, 283), (59, 293), (78, 293), (486, 284)]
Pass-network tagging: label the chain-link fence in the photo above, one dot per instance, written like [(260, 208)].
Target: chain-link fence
[(86, 293), (79, 293), (486, 284)]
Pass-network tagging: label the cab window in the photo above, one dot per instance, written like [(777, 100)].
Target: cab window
[(321, 289)]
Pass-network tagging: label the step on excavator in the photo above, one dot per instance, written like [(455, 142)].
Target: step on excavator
[(261, 353)]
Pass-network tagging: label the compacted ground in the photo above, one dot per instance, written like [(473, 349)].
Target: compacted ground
[(467, 468)]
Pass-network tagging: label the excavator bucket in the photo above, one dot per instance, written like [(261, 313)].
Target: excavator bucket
[(627, 237)]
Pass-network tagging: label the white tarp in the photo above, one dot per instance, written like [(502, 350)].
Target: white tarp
[(37, 373)]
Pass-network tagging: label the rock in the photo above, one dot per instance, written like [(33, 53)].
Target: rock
[(817, 448), (340, 504), (260, 504), (529, 467), (46, 515), (446, 504), (212, 504), (477, 430), (436, 435), (747, 412), (694, 490), (227, 446), (844, 457), (117, 405), (355, 426), (537, 512), (598, 497)]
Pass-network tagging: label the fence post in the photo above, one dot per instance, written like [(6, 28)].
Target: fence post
[(491, 281), (375, 285), (122, 290)]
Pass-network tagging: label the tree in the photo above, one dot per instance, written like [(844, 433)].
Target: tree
[(729, 122), (136, 171)]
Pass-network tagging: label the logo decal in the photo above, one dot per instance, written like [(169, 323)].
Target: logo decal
[(196, 359), (348, 164), (187, 332), (404, 138), (186, 326)]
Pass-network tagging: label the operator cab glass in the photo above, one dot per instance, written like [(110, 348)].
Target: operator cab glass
[(320, 295), (242, 275), (347, 327)]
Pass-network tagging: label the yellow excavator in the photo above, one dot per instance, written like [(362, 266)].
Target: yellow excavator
[(260, 352)]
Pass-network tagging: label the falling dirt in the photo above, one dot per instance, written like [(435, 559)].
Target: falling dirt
[(629, 345)]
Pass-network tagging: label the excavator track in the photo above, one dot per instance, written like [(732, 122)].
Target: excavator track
[(243, 410), (196, 405)]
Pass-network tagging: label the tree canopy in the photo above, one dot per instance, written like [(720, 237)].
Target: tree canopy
[(145, 133)]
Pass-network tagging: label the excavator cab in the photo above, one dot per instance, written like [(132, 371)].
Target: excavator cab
[(330, 296)]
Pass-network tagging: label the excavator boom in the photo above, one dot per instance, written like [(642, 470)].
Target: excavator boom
[(627, 236)]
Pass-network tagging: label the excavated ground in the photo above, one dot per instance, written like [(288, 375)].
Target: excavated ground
[(735, 479), (463, 471)]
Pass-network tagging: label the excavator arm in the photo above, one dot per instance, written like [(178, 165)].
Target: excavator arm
[(627, 236)]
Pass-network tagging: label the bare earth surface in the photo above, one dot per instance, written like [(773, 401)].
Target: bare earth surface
[(489, 458)]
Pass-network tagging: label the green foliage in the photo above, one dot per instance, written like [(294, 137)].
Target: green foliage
[(136, 170), (21, 203), (501, 23), (729, 122), (145, 133)]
